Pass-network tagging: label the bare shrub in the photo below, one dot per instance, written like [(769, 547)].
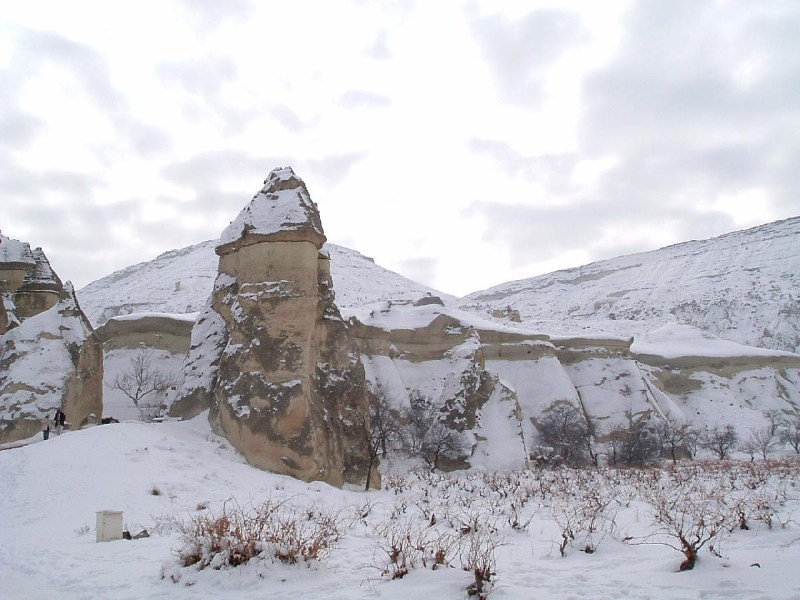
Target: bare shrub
[(688, 520), (274, 528), (478, 558), (719, 440)]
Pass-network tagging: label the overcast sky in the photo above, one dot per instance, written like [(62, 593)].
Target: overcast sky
[(462, 144)]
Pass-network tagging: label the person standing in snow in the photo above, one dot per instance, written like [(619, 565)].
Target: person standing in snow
[(46, 426), (61, 420)]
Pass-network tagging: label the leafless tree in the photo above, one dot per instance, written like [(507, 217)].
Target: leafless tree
[(143, 382), (719, 440), (564, 428), (761, 441), (675, 436), (382, 427), (427, 436), (790, 432)]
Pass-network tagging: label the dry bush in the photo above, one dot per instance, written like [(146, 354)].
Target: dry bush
[(275, 529), (688, 520), (478, 558)]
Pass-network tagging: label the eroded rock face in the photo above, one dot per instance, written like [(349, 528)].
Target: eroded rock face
[(51, 360), (276, 364)]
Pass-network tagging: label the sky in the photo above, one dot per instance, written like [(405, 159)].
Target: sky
[(461, 144)]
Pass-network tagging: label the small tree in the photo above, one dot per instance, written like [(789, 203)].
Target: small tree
[(762, 440), (142, 382), (564, 428), (790, 432), (719, 440), (639, 444), (675, 436), (381, 427), (427, 436)]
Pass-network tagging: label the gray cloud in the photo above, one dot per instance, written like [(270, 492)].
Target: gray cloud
[(207, 15), (701, 101), (333, 169), (206, 175), (380, 47), (356, 99), (421, 268), (287, 117), (518, 50)]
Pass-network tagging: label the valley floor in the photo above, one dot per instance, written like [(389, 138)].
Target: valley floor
[(162, 475)]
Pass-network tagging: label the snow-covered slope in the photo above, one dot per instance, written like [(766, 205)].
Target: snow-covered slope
[(180, 282), (162, 476), (743, 286)]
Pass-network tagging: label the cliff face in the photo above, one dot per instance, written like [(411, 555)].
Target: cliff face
[(275, 361), (28, 285), (51, 360)]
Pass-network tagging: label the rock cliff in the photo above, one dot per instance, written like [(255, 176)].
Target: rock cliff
[(270, 354), (50, 360)]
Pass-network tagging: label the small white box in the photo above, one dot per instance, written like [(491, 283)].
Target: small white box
[(109, 525)]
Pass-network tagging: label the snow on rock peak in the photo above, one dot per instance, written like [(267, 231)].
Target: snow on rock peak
[(282, 210)]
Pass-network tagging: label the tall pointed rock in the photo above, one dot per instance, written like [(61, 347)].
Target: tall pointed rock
[(271, 354)]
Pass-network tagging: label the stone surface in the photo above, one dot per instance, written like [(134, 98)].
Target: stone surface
[(51, 360), (275, 362)]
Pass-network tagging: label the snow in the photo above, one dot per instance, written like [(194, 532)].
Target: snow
[(14, 251), (181, 281), (190, 317), (283, 204), (674, 341), (40, 362), (742, 287), (52, 491)]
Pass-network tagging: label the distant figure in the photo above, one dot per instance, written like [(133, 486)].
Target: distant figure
[(46, 426), (61, 420)]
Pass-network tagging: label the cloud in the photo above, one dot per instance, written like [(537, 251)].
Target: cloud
[(422, 268), (357, 99), (287, 117), (694, 110), (208, 15), (225, 178), (380, 47), (519, 50), (333, 169)]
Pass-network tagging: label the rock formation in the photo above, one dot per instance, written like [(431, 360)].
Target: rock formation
[(28, 285), (271, 355), (50, 360)]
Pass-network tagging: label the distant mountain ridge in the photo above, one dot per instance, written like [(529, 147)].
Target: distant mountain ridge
[(180, 282), (742, 286)]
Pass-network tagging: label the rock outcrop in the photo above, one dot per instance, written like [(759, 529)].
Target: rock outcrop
[(50, 360), (271, 354), (28, 285)]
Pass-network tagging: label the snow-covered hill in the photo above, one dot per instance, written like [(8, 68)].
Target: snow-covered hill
[(180, 282), (162, 476), (743, 286)]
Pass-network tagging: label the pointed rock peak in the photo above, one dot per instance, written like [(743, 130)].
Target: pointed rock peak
[(282, 211), (15, 252)]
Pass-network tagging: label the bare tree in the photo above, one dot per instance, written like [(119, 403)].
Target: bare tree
[(719, 440), (143, 382), (790, 432), (382, 428), (675, 436), (640, 444), (761, 441), (427, 436), (564, 428)]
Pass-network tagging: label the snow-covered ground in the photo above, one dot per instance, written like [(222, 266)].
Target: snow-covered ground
[(52, 490)]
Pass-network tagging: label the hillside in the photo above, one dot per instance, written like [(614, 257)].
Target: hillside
[(164, 476), (180, 282), (743, 286)]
